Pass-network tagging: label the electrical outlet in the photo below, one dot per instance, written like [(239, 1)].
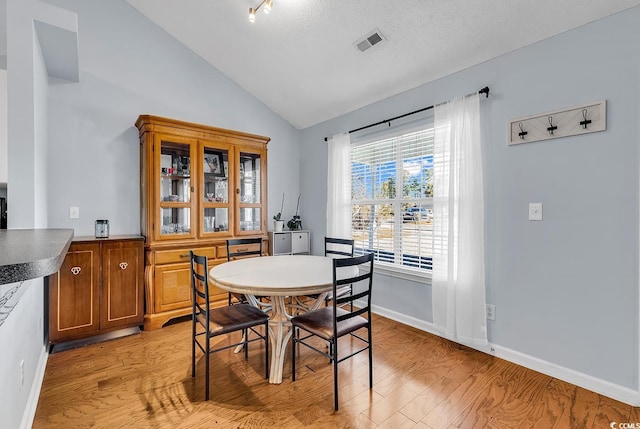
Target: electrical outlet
[(74, 212), (535, 211), (491, 312), (21, 374)]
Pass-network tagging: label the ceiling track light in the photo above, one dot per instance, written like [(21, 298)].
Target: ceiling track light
[(268, 4)]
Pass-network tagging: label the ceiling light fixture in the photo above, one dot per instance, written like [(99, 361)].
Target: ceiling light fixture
[(268, 4)]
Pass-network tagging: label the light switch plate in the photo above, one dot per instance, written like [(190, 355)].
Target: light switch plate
[(74, 212), (535, 211)]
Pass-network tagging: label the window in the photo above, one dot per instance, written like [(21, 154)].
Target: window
[(392, 200)]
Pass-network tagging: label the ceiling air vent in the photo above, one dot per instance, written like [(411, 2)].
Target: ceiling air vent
[(373, 38)]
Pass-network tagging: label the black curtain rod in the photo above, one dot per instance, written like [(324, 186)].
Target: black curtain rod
[(484, 90)]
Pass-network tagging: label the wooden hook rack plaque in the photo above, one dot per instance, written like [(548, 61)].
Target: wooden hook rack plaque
[(572, 121)]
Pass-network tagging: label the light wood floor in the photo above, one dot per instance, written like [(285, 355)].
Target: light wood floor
[(420, 381)]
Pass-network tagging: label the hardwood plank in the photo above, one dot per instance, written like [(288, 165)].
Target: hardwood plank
[(580, 410), (397, 420), (551, 405), (634, 415), (611, 410), (420, 381)]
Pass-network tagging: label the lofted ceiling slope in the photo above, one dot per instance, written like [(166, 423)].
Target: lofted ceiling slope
[(301, 60)]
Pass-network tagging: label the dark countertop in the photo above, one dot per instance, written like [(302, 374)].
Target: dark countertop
[(31, 253)]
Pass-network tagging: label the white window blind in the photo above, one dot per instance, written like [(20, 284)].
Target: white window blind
[(392, 204)]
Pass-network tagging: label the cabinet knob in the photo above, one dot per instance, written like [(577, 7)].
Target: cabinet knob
[(123, 265), (75, 270)]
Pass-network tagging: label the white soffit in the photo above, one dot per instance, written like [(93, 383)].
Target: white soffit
[(57, 31), (300, 60)]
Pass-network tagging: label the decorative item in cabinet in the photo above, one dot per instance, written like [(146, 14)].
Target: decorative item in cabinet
[(289, 242), (98, 289), (221, 194)]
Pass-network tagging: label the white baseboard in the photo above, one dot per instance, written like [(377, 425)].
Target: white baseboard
[(603, 387), (34, 394)]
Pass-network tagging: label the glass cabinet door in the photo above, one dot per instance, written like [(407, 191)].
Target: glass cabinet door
[(215, 190), (249, 191), (175, 189)]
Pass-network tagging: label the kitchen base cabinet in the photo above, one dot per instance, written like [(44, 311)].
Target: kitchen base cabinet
[(99, 288)]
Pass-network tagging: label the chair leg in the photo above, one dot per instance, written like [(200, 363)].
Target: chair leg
[(245, 338), (370, 358), (193, 346), (293, 355), (206, 369), (334, 354), (266, 348)]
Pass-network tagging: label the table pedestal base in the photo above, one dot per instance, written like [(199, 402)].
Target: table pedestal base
[(280, 328)]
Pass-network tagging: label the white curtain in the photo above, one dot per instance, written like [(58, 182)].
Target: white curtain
[(339, 186), (458, 222)]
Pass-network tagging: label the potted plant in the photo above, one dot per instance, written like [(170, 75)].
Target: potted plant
[(278, 223), (295, 223)]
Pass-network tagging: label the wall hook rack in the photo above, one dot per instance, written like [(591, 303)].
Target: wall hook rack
[(571, 121)]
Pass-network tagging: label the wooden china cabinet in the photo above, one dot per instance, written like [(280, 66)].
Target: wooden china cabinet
[(200, 186)]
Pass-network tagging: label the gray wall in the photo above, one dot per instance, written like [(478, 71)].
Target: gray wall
[(566, 288), (129, 66)]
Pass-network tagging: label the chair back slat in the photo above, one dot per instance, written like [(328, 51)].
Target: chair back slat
[(357, 279), (352, 314), (351, 297)]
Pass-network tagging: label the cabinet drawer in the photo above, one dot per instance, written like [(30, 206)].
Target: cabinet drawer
[(182, 255)]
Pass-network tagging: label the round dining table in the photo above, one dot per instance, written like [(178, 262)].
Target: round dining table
[(282, 278)]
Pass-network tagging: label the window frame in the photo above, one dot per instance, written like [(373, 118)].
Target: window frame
[(420, 275)]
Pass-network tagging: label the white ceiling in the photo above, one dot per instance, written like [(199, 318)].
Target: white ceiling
[(301, 62)]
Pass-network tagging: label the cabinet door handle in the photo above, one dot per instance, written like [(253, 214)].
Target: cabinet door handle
[(75, 270), (123, 265), (184, 256), (243, 250)]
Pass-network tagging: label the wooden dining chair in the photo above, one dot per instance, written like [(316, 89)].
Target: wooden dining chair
[(242, 248), (211, 322), (334, 322)]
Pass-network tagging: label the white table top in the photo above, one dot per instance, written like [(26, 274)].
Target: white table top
[(283, 275)]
